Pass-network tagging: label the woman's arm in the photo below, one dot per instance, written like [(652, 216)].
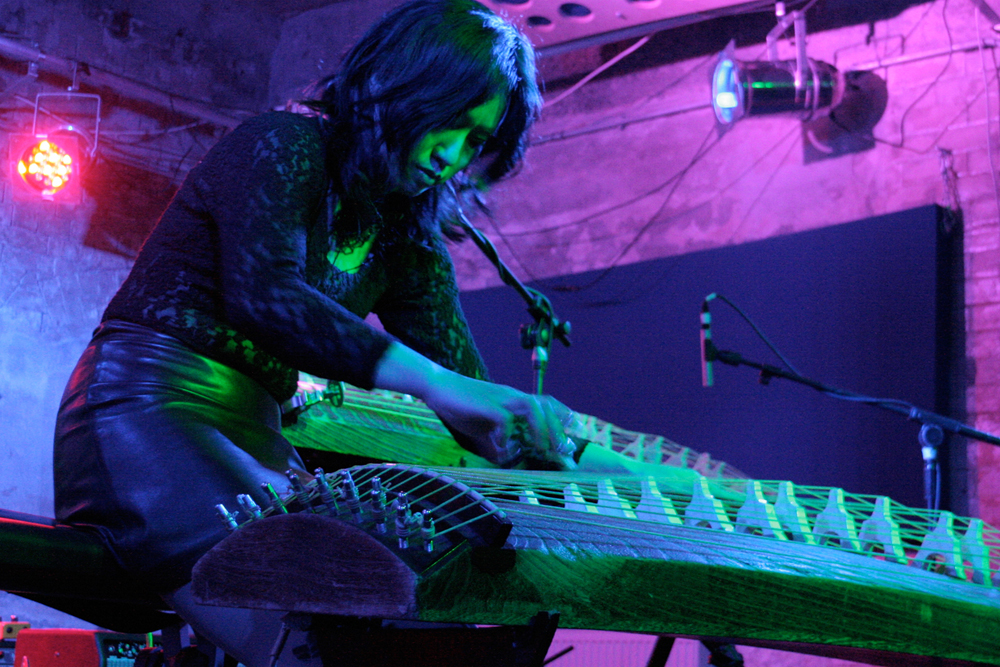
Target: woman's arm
[(262, 191), (421, 306), (488, 414)]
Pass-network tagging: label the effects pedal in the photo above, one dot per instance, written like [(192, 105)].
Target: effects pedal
[(51, 647)]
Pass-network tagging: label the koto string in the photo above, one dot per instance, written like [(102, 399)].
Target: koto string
[(367, 475), (912, 525), (910, 578)]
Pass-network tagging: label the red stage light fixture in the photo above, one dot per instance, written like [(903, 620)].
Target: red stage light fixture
[(46, 167), (48, 162)]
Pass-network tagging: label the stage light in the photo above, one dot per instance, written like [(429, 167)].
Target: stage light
[(803, 86), (753, 88), (855, 100), (848, 127), (756, 88), (48, 162), (47, 167), (728, 98)]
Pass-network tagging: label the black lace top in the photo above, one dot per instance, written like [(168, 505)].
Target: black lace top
[(238, 269)]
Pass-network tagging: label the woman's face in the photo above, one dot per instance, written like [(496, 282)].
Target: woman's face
[(442, 153)]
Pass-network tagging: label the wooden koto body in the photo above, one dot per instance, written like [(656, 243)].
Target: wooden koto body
[(761, 563), (388, 426)]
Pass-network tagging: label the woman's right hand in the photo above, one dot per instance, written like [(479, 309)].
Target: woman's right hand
[(498, 422), (495, 420)]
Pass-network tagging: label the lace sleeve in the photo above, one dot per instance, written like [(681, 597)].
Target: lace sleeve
[(263, 193), (422, 309)]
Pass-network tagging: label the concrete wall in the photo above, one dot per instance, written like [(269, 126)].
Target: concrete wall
[(601, 198), (60, 264)]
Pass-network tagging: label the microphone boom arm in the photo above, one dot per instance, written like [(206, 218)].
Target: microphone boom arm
[(901, 407), (931, 422), (537, 337)]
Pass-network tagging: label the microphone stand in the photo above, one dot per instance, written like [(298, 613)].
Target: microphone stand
[(932, 426), (536, 337)]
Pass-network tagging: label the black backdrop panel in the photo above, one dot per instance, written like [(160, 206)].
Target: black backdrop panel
[(853, 306)]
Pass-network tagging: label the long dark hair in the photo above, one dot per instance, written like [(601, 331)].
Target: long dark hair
[(419, 69)]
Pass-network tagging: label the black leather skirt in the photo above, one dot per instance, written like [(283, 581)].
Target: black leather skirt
[(150, 437)]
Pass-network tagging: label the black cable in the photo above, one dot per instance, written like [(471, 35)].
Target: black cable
[(752, 167), (649, 193), (833, 392), (929, 88), (703, 150), (757, 330), (763, 189), (947, 126), (510, 248), (620, 205), (539, 305), (617, 300), (683, 76)]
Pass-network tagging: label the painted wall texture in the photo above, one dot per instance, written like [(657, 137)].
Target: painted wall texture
[(630, 167)]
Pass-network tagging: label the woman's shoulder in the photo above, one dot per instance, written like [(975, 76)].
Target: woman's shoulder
[(276, 131), (279, 150), (280, 121)]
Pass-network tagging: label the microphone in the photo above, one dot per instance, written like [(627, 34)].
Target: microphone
[(707, 354)]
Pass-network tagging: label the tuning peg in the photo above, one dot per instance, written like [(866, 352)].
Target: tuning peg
[(403, 524), (276, 502), (427, 530), (350, 492), (326, 493), (249, 506), (298, 490), (227, 518), (378, 505)]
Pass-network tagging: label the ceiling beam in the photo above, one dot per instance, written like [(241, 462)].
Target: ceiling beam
[(557, 26)]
